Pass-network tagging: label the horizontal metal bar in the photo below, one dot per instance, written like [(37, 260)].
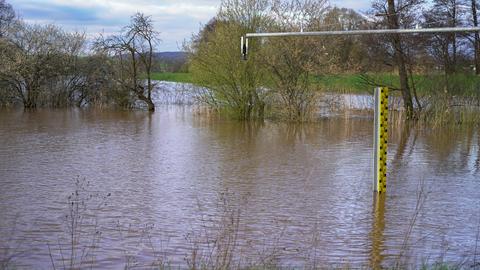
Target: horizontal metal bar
[(368, 32)]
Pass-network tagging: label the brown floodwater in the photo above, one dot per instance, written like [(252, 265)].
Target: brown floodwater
[(296, 195)]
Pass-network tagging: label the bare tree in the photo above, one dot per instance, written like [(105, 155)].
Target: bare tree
[(396, 16), (7, 17), (131, 53), (292, 61), (38, 64), (347, 54), (235, 86), (393, 23), (445, 13), (476, 42)]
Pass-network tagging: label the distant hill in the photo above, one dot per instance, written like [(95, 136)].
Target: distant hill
[(176, 56), (170, 61)]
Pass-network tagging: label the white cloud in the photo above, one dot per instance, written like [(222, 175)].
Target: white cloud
[(175, 19), (353, 4)]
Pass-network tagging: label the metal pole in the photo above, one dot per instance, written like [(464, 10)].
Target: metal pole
[(356, 32), (368, 32)]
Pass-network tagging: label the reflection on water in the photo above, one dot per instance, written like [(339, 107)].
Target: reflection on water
[(378, 230), (304, 191)]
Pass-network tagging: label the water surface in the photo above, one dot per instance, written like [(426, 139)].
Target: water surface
[(302, 192)]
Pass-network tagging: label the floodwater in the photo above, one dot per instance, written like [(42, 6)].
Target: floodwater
[(165, 184)]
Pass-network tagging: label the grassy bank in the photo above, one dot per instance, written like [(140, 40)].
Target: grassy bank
[(173, 77), (451, 100), (458, 84), (341, 83)]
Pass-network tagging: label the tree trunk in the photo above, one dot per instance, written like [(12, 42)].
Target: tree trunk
[(400, 60), (29, 105), (151, 105), (148, 101), (454, 37), (477, 38), (30, 102)]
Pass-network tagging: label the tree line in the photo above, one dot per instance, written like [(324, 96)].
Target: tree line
[(286, 65), (45, 66)]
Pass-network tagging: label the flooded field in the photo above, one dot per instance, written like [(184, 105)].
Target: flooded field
[(173, 185)]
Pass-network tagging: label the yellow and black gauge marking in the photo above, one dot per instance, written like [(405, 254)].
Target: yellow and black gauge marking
[(381, 139)]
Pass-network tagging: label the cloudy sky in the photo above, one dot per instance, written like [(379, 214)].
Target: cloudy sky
[(175, 19)]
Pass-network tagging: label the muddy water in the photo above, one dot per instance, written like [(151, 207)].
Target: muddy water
[(297, 195)]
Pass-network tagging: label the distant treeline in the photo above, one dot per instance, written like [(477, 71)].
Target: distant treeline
[(171, 62)]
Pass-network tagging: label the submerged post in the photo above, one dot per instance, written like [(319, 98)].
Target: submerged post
[(244, 47), (380, 140)]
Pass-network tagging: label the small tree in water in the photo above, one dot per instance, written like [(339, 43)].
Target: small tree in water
[(291, 61), (234, 86), (132, 57)]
